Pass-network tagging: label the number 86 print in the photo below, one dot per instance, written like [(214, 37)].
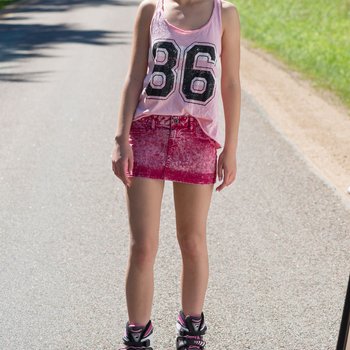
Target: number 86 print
[(197, 83)]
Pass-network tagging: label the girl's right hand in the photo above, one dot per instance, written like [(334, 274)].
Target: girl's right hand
[(122, 162)]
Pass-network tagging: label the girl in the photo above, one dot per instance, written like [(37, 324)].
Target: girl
[(168, 130)]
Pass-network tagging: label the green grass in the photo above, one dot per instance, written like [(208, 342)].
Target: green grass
[(3, 3), (311, 36)]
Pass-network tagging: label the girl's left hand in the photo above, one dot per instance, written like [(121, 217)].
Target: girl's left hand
[(227, 163)]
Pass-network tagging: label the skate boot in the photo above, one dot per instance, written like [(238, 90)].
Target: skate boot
[(189, 331), (138, 337)]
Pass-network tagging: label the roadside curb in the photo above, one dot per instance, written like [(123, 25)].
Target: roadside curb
[(291, 115)]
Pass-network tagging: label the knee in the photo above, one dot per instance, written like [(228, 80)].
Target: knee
[(192, 245), (143, 253)]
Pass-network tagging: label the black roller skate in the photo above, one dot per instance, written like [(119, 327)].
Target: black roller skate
[(190, 330), (138, 337)]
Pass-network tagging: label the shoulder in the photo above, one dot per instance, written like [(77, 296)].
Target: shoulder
[(229, 13), (148, 5), (146, 9), (228, 8)]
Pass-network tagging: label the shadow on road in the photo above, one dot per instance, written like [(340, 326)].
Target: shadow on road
[(21, 77), (20, 39), (66, 5)]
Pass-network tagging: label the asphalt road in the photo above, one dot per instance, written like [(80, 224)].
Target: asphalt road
[(278, 237)]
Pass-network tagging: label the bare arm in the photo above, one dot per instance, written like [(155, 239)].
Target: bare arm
[(137, 69), (230, 80), (122, 155), (230, 91)]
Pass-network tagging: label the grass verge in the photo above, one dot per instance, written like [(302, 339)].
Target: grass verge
[(4, 3), (312, 37)]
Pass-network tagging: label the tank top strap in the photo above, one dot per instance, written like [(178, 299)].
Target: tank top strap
[(217, 14), (157, 14), (159, 6), (218, 5)]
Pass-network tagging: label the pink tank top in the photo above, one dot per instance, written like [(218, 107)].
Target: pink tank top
[(182, 74)]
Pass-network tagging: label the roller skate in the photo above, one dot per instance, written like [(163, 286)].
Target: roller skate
[(138, 337), (190, 331)]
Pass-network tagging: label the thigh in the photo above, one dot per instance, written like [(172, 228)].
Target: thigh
[(144, 199), (192, 202)]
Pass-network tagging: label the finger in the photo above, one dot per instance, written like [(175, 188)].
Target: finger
[(117, 167), (116, 170), (221, 186), (131, 164), (220, 168), (226, 179), (121, 174), (126, 179), (232, 179), (218, 189)]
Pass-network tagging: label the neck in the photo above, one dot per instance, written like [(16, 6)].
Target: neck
[(186, 2)]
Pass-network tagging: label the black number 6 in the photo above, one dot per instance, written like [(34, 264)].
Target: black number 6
[(202, 78)]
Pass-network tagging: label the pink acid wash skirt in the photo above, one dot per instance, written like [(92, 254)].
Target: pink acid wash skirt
[(173, 148)]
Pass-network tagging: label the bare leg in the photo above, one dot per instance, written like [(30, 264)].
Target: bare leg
[(192, 202), (144, 199)]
